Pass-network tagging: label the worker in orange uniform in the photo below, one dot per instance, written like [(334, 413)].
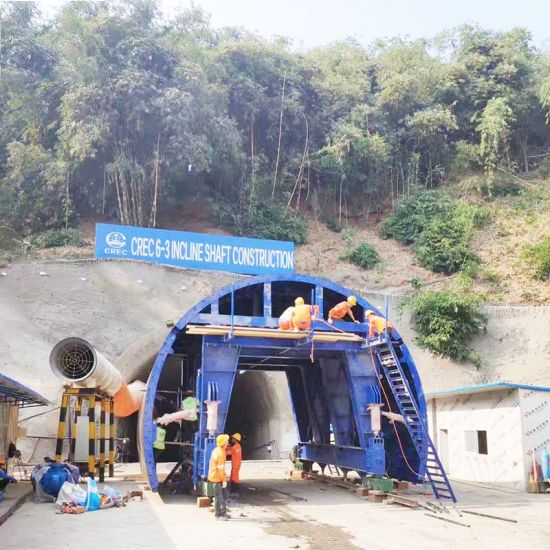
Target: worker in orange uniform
[(235, 452), (303, 315), (339, 311), (217, 476), (377, 326)]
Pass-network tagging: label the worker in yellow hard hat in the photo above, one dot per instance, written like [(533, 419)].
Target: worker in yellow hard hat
[(339, 311), (218, 477), (302, 315), (235, 452), (377, 327)]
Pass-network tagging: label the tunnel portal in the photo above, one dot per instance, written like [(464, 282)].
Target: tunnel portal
[(336, 381)]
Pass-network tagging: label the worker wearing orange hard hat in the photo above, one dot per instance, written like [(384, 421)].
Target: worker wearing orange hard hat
[(339, 311), (235, 452), (218, 477), (303, 315)]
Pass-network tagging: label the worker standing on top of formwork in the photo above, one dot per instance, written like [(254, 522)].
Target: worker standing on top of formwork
[(235, 452), (218, 477), (339, 311), (303, 315)]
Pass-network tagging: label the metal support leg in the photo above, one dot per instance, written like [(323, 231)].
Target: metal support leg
[(111, 439), (91, 436), (61, 428), (78, 405), (102, 441)]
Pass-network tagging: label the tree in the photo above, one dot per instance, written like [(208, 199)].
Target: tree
[(494, 129)]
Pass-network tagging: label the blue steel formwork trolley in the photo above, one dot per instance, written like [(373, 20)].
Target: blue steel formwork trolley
[(334, 385)]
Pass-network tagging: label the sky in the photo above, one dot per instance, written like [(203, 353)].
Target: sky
[(310, 23)]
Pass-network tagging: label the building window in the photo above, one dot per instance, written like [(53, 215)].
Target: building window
[(476, 441)]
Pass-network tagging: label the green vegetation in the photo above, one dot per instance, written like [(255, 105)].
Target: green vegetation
[(414, 213), (265, 221), (363, 255), (58, 237), (439, 226), (112, 110), (446, 320), (538, 258)]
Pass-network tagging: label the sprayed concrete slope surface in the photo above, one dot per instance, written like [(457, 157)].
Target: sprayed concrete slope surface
[(122, 307)]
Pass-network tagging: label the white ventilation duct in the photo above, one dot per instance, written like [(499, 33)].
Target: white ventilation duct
[(76, 361)]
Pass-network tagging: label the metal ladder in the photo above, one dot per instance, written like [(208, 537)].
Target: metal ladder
[(409, 410)]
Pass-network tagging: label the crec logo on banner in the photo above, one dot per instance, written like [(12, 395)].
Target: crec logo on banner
[(116, 241)]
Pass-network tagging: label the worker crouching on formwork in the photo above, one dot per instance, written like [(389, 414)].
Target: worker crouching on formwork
[(299, 317), (217, 476), (235, 452), (343, 309)]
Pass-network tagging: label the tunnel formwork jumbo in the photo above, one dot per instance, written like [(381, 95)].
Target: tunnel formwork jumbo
[(340, 386)]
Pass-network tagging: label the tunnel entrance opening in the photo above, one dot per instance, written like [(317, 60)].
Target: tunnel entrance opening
[(261, 411)]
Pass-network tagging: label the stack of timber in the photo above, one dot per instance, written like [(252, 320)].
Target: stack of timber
[(252, 332)]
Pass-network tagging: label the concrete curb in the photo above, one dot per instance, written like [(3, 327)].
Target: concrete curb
[(13, 506)]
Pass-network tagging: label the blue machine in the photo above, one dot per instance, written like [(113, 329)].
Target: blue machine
[(336, 390)]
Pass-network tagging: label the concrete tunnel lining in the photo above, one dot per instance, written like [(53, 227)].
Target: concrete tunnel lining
[(146, 432)]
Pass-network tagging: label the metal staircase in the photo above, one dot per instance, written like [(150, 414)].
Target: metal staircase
[(415, 426)]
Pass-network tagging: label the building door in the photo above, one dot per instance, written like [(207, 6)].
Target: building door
[(444, 449)]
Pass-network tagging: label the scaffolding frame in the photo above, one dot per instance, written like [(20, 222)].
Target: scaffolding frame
[(69, 412)]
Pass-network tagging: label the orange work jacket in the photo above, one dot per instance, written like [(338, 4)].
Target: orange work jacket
[(216, 470), (339, 311), (301, 317), (378, 325), (236, 454)]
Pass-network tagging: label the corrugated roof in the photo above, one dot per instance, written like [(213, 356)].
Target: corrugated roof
[(485, 388), (15, 393)]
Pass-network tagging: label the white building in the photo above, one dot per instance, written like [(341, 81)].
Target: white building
[(488, 433)]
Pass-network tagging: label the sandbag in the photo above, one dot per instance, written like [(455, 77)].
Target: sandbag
[(54, 477), (92, 496), (40, 495), (71, 493)]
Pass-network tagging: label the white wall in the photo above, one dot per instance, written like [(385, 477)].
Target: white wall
[(535, 424), (497, 413)]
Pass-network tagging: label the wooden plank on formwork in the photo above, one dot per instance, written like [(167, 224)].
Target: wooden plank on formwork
[(318, 336)]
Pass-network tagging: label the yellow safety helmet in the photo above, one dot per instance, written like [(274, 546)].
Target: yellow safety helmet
[(352, 300), (236, 436), (299, 301), (369, 312), (222, 440)]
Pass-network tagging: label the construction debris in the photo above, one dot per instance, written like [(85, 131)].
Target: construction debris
[(376, 496), (403, 500), (489, 516), (446, 519)]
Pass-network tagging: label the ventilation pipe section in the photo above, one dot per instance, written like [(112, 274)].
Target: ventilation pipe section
[(76, 361)]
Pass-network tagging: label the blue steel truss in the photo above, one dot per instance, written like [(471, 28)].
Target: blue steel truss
[(330, 397)]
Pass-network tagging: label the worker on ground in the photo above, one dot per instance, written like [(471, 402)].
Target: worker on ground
[(159, 445), (235, 452), (303, 315), (339, 311), (285, 319), (217, 476), (377, 327)]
